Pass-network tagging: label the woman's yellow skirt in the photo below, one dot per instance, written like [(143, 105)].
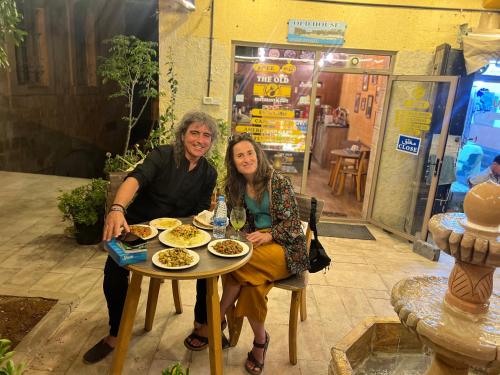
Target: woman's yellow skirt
[(256, 279)]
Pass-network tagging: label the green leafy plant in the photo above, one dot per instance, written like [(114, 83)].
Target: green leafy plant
[(8, 366), (176, 369), (84, 204), (132, 65), (9, 19), (123, 163)]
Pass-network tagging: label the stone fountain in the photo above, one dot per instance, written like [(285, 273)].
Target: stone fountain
[(459, 317)]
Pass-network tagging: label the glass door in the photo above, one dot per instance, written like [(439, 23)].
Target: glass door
[(410, 151)]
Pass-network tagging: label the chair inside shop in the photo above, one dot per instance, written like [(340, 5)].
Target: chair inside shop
[(352, 163), (296, 284), (358, 174)]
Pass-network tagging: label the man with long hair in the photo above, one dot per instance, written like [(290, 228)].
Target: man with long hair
[(174, 181)]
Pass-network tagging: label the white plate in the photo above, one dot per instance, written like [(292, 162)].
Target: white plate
[(201, 226), (245, 247), (171, 223), (156, 261), (154, 231), (167, 239)]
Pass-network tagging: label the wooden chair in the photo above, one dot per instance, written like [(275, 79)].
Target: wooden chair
[(296, 284), (347, 163), (116, 179), (358, 174)]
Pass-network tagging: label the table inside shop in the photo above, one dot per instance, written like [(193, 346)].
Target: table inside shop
[(342, 155), (209, 267)]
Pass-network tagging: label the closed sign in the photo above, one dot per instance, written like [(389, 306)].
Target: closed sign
[(408, 144)]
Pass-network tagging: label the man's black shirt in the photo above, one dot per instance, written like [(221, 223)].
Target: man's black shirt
[(166, 190)]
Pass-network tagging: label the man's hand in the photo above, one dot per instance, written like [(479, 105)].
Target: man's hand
[(259, 238), (115, 223)]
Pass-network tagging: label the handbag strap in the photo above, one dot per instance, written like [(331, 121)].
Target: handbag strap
[(312, 217)]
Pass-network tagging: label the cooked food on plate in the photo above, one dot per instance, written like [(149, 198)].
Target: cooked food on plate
[(185, 232), (175, 257), (166, 222), (141, 230), (228, 247)]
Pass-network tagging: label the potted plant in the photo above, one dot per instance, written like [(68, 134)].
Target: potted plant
[(85, 207), (9, 19), (7, 365), (176, 369)]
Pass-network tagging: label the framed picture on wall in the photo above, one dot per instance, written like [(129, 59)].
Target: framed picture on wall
[(363, 104), (369, 105), (366, 79), (357, 99), (374, 79)]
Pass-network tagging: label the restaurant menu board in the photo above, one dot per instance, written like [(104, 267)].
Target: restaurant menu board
[(271, 114)]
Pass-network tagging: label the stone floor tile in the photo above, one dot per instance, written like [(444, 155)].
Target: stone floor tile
[(381, 294), (308, 367), (382, 307), (52, 281), (367, 280), (355, 301), (328, 303)]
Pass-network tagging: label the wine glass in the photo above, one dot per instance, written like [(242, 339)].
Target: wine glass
[(238, 218)]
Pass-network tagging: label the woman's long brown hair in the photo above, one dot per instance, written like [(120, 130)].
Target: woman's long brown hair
[(235, 182)]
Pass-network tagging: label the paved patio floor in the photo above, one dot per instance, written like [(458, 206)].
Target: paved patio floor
[(38, 259)]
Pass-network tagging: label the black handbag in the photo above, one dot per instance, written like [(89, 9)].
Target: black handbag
[(318, 258)]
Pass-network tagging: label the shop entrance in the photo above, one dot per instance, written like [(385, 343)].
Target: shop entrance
[(343, 129), (409, 158)]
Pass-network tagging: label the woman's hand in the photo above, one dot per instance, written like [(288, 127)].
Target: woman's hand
[(259, 238), (115, 223)]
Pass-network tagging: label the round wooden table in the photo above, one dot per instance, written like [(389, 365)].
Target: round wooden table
[(209, 267)]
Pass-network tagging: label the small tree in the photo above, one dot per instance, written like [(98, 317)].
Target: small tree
[(9, 18), (132, 65)]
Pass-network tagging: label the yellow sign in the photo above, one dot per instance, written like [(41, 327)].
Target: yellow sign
[(271, 122), (288, 68), (266, 68), (276, 139), (272, 90), (281, 113), (413, 122), (418, 104)]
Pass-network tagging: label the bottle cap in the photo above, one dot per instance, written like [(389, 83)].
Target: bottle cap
[(221, 197)]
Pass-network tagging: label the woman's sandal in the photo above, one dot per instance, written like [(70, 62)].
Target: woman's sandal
[(257, 367), (188, 341)]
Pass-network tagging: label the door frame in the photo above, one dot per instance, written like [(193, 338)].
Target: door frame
[(453, 81)]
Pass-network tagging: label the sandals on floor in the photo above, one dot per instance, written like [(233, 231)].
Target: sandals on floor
[(98, 352), (257, 366), (204, 340)]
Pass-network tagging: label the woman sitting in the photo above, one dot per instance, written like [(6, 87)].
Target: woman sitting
[(275, 232)]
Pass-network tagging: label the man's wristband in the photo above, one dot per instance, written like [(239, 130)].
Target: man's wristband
[(118, 207)]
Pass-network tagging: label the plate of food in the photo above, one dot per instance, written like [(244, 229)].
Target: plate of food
[(165, 223), (185, 236), (204, 220), (228, 248), (146, 232), (175, 259)]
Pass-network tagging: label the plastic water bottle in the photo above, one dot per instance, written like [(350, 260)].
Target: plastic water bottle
[(220, 218)]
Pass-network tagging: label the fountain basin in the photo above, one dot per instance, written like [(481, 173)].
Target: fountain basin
[(378, 344), (463, 338)]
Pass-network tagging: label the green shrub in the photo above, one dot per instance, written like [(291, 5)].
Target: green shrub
[(84, 204), (176, 369), (8, 366)]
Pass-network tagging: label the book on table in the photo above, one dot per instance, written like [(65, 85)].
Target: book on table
[(123, 254)]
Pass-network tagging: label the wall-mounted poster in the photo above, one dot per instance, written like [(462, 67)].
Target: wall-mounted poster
[(363, 104), (357, 99), (369, 105), (366, 79)]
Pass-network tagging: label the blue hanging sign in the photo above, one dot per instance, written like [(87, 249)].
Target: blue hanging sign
[(408, 144), (317, 32)]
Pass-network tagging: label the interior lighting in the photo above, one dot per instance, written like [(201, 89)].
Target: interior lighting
[(492, 69), (188, 4), (329, 57), (321, 62), (261, 52), (262, 58)]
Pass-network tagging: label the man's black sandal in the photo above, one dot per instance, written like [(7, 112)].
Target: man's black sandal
[(98, 352), (204, 342)]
